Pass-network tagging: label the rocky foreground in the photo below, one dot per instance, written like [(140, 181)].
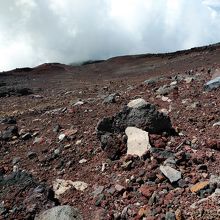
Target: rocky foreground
[(112, 146)]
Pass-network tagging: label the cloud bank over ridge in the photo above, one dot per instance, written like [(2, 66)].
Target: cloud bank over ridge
[(39, 31)]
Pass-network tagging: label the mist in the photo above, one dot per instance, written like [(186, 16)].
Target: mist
[(38, 31)]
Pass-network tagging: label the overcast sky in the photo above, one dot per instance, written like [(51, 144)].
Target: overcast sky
[(38, 31)]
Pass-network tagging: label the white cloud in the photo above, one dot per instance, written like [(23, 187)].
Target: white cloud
[(37, 31)]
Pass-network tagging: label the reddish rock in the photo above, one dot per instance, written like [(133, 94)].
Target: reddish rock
[(147, 191), (168, 199), (213, 144)]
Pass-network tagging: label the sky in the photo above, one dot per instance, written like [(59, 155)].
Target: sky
[(33, 32)]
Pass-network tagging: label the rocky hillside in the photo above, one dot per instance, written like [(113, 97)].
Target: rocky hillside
[(133, 137)]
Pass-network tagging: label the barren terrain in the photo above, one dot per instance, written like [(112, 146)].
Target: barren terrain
[(48, 120)]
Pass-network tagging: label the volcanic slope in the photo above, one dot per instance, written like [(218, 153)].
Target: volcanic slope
[(52, 153)]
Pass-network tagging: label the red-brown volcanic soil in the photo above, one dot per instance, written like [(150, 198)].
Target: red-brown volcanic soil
[(145, 193)]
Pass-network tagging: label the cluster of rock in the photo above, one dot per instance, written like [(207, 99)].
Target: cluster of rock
[(135, 120)]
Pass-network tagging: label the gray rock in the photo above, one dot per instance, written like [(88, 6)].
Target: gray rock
[(57, 151), (182, 183), (119, 188), (111, 190), (98, 190), (56, 128), (112, 98), (164, 90), (170, 216), (212, 84), (161, 154), (65, 212), (9, 133), (153, 198), (16, 160), (125, 212), (172, 174), (170, 161), (153, 81), (99, 199)]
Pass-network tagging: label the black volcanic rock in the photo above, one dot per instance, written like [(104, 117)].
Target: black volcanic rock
[(7, 120), (9, 133), (145, 117), (14, 91)]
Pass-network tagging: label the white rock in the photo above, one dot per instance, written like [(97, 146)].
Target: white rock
[(83, 161), (136, 103), (172, 174), (37, 96), (79, 185), (78, 142), (103, 166), (173, 83), (138, 141), (189, 79), (61, 137), (166, 99), (165, 111), (67, 146), (60, 186), (15, 168), (79, 103), (216, 124)]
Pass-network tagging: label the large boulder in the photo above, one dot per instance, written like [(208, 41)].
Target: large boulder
[(142, 115), (145, 117), (64, 212)]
